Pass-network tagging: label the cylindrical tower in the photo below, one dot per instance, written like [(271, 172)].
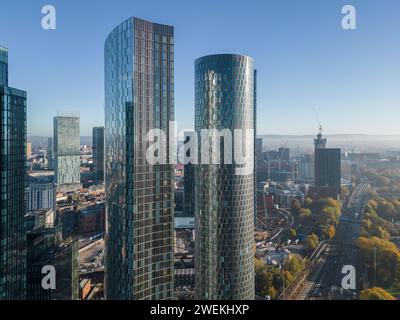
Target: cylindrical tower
[(224, 192)]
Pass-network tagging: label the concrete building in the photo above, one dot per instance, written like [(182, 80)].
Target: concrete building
[(66, 151), (41, 191)]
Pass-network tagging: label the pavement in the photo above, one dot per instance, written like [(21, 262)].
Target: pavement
[(91, 257)]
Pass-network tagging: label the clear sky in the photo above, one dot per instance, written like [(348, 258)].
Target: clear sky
[(304, 58)]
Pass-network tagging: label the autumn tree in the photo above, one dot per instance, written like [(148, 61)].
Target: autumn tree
[(375, 293)]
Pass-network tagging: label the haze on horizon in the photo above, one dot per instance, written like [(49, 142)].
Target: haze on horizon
[(304, 59)]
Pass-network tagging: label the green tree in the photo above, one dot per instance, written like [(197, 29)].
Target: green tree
[(292, 233), (294, 263)]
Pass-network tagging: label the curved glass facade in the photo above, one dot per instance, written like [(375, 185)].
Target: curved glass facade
[(224, 99), (139, 96)]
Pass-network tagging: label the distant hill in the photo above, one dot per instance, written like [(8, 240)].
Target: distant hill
[(347, 142), (300, 143)]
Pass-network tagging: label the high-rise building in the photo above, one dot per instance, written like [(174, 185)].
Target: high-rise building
[(3, 66), (98, 152), (66, 151), (66, 263), (327, 166), (12, 167), (188, 180), (259, 150), (306, 168), (320, 142), (139, 96), (28, 149), (224, 210), (50, 159), (328, 172), (41, 192)]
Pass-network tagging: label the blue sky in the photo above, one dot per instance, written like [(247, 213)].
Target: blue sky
[(304, 58)]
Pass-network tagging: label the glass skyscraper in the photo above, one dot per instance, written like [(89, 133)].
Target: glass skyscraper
[(189, 181), (98, 152), (12, 166), (224, 203), (66, 150), (139, 96)]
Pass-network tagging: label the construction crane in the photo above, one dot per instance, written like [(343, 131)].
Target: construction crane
[(268, 161), (282, 153), (318, 121)]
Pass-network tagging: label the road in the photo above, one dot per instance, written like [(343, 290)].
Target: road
[(326, 277), (91, 257)]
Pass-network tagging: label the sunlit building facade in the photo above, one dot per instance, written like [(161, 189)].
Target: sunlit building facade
[(139, 96), (224, 196), (66, 150), (12, 204), (98, 152)]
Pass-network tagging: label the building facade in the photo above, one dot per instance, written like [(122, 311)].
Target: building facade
[(306, 168), (188, 181), (328, 172), (98, 152), (139, 96), (66, 262), (41, 192), (66, 150), (224, 208), (12, 166)]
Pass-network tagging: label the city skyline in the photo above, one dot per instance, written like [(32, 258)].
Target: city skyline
[(307, 62), (206, 174)]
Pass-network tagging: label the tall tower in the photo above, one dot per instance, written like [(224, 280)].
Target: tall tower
[(320, 142), (98, 152), (139, 96), (224, 207), (12, 167), (66, 151)]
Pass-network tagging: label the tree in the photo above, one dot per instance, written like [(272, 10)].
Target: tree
[(292, 233), (267, 278), (308, 202), (329, 231), (295, 207), (294, 264), (344, 193), (304, 213), (312, 242), (387, 256), (329, 215), (375, 293), (272, 292)]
